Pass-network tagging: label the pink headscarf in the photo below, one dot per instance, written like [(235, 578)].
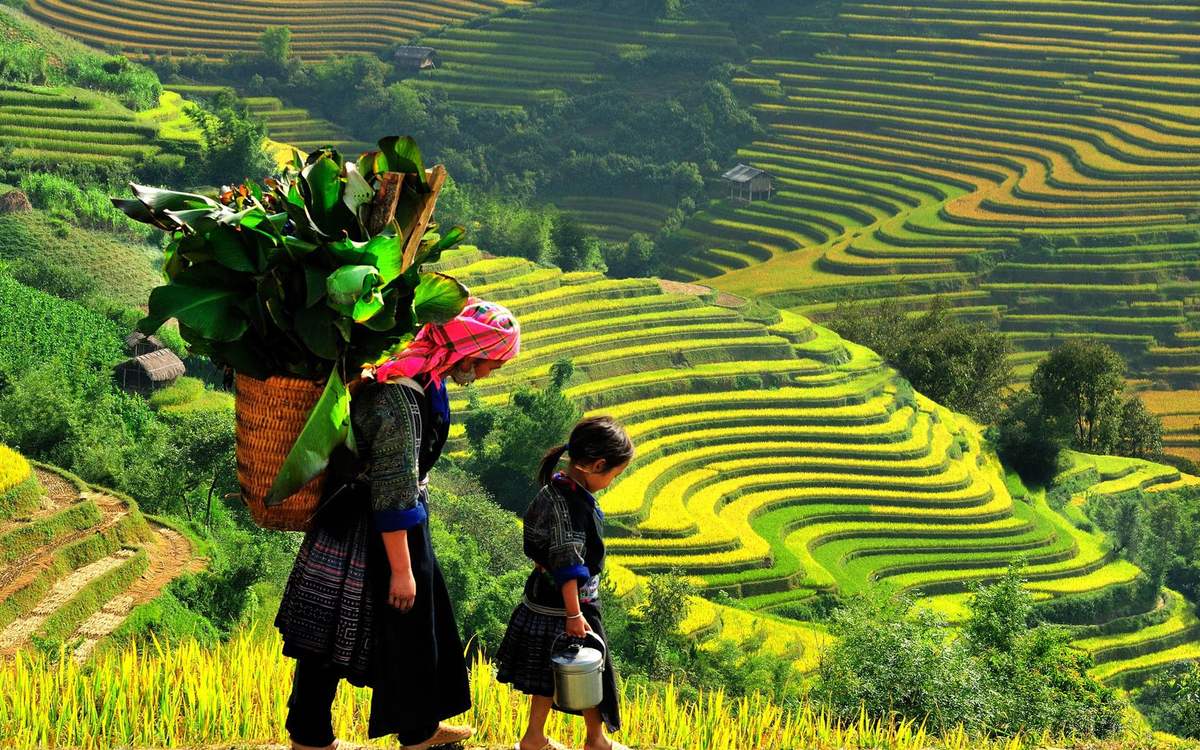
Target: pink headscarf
[(483, 329)]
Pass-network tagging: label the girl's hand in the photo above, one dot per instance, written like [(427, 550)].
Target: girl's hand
[(577, 627), (402, 594)]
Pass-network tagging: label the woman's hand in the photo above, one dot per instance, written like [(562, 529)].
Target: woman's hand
[(577, 627), (402, 594)]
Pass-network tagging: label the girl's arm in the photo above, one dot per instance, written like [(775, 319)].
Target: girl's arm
[(576, 625)]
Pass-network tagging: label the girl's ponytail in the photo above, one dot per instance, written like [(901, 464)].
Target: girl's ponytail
[(550, 463)]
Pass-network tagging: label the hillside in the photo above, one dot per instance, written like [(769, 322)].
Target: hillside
[(76, 559), (779, 461), (194, 27), (931, 148)]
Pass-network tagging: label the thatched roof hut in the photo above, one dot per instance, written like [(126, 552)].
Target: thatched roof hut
[(138, 343), (149, 372)]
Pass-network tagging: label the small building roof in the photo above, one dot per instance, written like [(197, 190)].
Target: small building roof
[(137, 337), (160, 366), (743, 173), (414, 53)]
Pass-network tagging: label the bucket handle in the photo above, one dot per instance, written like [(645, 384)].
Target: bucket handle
[(590, 632)]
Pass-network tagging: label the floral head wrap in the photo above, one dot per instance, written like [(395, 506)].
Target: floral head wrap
[(483, 329)]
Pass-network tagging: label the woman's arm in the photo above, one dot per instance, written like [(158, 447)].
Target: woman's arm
[(402, 593)]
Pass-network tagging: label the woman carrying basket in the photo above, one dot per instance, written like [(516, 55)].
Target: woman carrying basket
[(365, 600)]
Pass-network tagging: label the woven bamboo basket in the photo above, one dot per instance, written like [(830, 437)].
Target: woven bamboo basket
[(270, 415)]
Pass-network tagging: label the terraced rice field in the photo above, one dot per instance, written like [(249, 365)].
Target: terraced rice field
[(1180, 414), (293, 126), (75, 560), (48, 126), (778, 461), (914, 145), (550, 53), (211, 29)]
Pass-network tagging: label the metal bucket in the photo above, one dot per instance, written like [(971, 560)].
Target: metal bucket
[(578, 674)]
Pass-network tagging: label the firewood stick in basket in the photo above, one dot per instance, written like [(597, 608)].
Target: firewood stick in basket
[(383, 206), (436, 178)]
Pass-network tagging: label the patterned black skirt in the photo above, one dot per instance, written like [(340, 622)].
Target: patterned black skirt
[(523, 659), (334, 612), (328, 609)]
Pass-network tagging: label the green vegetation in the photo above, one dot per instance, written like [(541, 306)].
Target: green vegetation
[(999, 675)]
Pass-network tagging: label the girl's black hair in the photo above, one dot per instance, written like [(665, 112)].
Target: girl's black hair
[(592, 439)]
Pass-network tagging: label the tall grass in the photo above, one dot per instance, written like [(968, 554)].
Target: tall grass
[(186, 695)]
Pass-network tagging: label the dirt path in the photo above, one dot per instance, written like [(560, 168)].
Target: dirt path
[(19, 630), (171, 556), (60, 494), (724, 299), (21, 571)]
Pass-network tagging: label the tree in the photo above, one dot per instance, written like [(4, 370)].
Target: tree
[(655, 624), (203, 443), (961, 365), (507, 451), (575, 249), (1000, 613), (276, 45), (1080, 385), (1172, 700), (233, 141), (1140, 432)]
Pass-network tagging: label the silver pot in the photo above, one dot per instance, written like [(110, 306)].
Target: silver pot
[(578, 674)]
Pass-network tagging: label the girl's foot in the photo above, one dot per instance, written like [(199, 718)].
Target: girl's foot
[(447, 734)]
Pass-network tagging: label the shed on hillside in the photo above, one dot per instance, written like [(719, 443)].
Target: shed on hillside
[(415, 58), (149, 372), (745, 182), (138, 343)]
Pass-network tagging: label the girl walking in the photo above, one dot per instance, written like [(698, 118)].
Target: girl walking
[(366, 601), (565, 539)]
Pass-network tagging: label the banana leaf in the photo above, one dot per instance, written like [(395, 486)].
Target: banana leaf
[(327, 427), (401, 154), (438, 298)]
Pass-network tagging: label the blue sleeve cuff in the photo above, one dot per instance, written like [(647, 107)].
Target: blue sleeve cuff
[(398, 520), (575, 572)]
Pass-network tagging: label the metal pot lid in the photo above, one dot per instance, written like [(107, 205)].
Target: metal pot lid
[(578, 660)]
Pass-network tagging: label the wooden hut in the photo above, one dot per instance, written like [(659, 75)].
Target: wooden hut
[(149, 372), (138, 343), (415, 58), (746, 182)]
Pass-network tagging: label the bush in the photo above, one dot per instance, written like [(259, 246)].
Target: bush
[(1000, 676)]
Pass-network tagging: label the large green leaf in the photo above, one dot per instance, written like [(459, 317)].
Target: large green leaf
[(228, 246), (327, 426), (355, 291), (386, 253), (157, 199), (324, 180), (314, 325), (432, 250), (438, 298), (403, 155), (211, 312)]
